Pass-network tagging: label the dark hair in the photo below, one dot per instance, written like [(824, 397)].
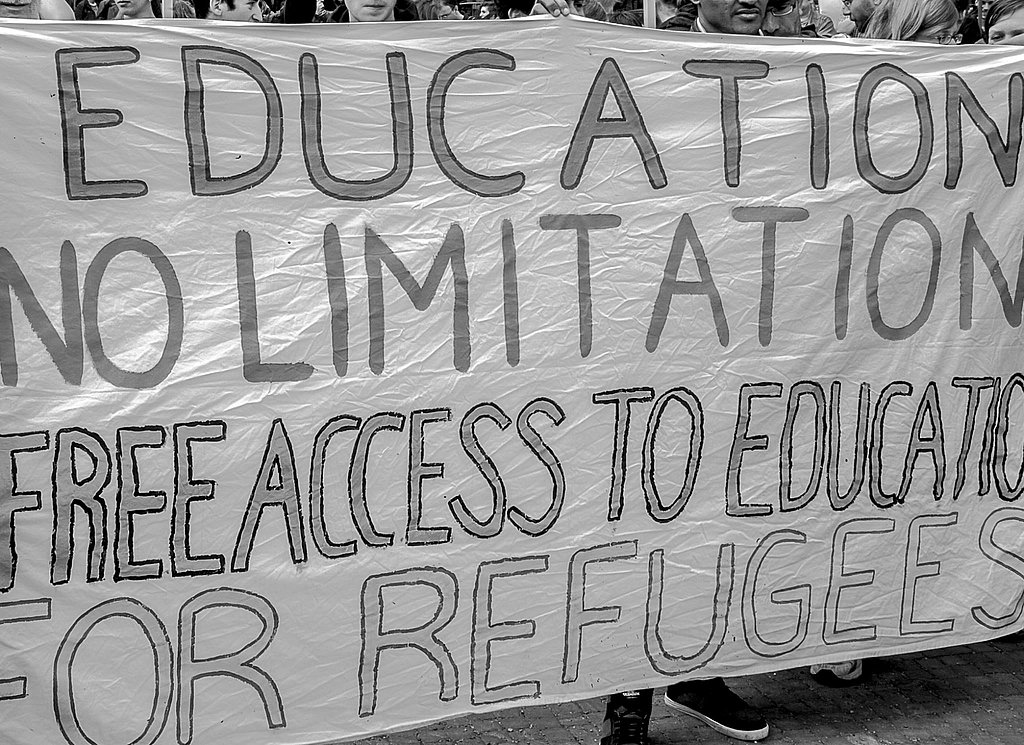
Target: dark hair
[(592, 9), (626, 17), (504, 6), (1000, 9)]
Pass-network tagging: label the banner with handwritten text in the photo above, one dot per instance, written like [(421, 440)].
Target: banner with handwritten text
[(355, 377)]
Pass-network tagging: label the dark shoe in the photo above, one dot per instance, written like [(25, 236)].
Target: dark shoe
[(839, 674), (626, 718), (713, 703)]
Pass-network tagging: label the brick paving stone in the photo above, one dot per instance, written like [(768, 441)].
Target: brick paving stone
[(965, 695)]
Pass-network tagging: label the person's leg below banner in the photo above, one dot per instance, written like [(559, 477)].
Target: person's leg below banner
[(839, 674), (712, 702), (626, 718)]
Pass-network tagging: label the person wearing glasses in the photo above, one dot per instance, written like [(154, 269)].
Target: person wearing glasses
[(781, 18), (934, 21)]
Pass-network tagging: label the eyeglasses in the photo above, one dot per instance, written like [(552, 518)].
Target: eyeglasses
[(783, 9), (949, 38)]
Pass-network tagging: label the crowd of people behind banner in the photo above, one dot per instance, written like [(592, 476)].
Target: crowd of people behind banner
[(930, 21), (936, 21)]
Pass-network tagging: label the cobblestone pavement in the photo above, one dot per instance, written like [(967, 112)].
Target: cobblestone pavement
[(970, 695)]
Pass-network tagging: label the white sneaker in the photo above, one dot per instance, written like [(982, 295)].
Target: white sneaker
[(839, 673)]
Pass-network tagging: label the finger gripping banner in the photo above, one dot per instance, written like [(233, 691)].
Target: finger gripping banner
[(355, 378)]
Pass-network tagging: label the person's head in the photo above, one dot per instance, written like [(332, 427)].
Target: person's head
[(438, 10), (860, 12), (235, 10), (934, 21), (19, 9), (731, 16), (1004, 23), (626, 17), (364, 11), (665, 9), (513, 8), (448, 10), (806, 8), (781, 18), (588, 9), (136, 9)]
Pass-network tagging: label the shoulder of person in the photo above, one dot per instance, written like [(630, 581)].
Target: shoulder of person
[(681, 21)]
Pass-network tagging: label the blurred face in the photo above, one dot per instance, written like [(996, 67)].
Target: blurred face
[(1008, 30), (859, 11), (781, 18), (448, 12), (365, 11), (731, 16), (19, 9)]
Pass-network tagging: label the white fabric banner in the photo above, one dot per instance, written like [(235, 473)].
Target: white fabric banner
[(356, 377)]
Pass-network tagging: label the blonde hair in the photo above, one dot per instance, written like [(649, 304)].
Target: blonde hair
[(902, 20)]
